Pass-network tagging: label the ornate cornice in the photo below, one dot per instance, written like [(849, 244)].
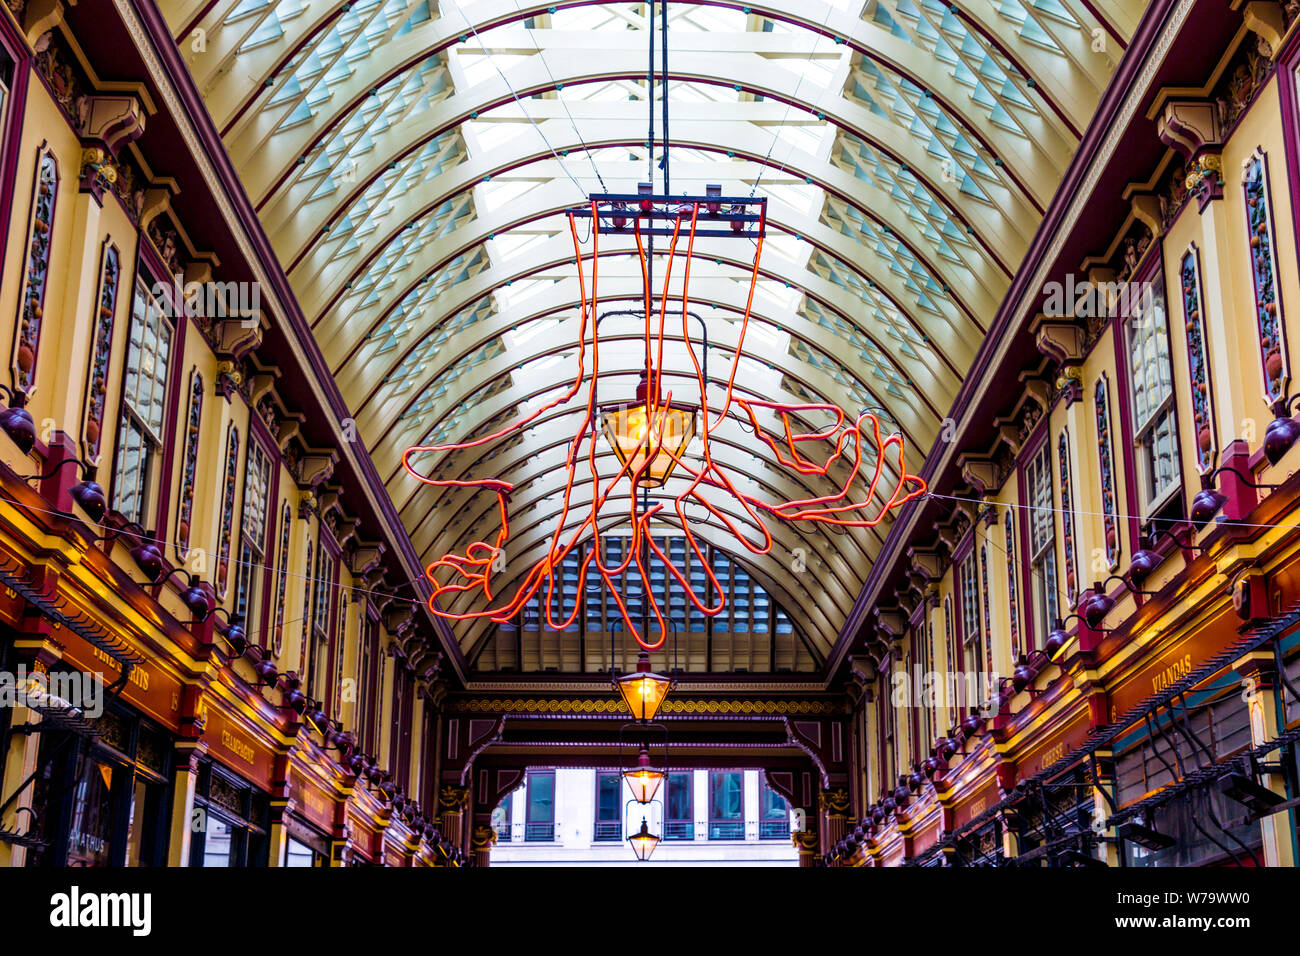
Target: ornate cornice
[(611, 705)]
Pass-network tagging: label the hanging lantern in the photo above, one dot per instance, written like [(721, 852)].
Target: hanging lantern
[(643, 842), (634, 430), (643, 690), (644, 779)]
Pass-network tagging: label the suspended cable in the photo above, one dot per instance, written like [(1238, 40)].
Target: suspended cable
[(518, 101), (585, 148), (162, 542), (776, 135), (1102, 514)]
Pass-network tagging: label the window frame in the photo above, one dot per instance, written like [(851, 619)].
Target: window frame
[(689, 819), (400, 730), (502, 824), (768, 815), (529, 821), (151, 485), (1044, 596), (1139, 446), (322, 630), (59, 795), (257, 569), (12, 111), (969, 608), (922, 719), (597, 836), (367, 669), (716, 821), (250, 844)]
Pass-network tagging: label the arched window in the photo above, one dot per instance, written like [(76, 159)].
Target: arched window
[(1042, 582), (143, 423), (251, 572)]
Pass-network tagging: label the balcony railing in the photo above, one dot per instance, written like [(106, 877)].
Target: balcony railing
[(607, 831), (503, 833), (727, 830), (679, 830), (774, 829), (539, 832)]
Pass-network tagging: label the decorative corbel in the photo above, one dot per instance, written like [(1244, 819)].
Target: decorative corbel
[(1265, 19), (1189, 125), (1039, 389), (1193, 127), (981, 472), (315, 467), (1009, 435), (1146, 210), (43, 16), (346, 530), (926, 562), (366, 557), (262, 382), (380, 599), (290, 428), (1063, 340), (862, 675), (428, 665), (327, 498), (890, 619), (157, 200), (399, 618), (112, 121)]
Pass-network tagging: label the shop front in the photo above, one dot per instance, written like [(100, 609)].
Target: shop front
[(101, 789)]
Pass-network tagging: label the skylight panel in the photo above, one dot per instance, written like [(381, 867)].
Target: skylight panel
[(246, 8)]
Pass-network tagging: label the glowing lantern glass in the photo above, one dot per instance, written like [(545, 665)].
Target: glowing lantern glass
[(643, 690), (636, 429), (644, 779), (643, 842)]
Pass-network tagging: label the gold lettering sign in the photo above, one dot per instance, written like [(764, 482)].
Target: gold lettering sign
[(139, 676), (240, 748), (1175, 671), (314, 801), (1050, 757)]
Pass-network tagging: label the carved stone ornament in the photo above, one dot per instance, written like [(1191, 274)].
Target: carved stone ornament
[(834, 802), (453, 799)]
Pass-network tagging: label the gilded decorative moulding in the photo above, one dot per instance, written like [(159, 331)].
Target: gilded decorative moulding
[(612, 705)]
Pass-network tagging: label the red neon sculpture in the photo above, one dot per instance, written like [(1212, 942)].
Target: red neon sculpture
[(857, 442)]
